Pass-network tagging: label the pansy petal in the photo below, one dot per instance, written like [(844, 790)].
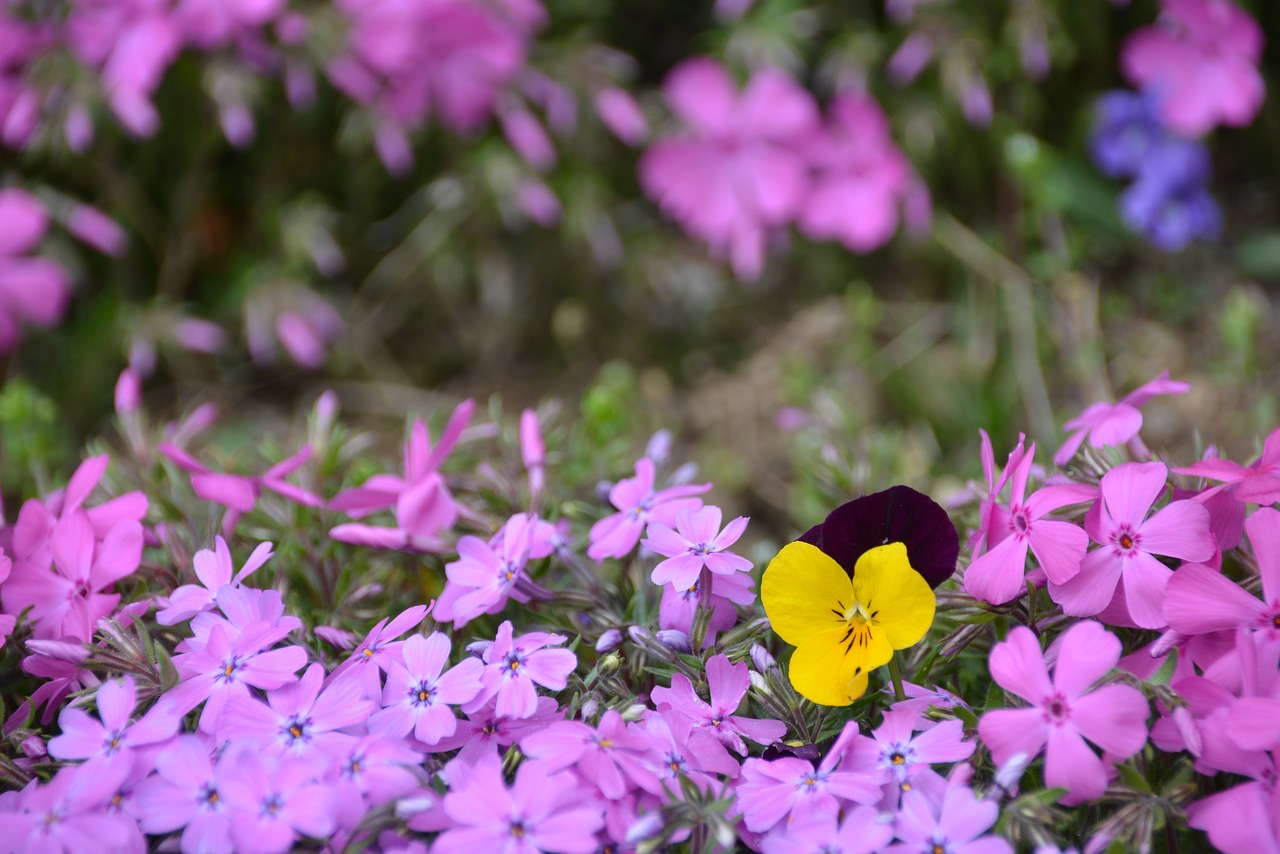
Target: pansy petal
[(826, 673), (804, 592), (897, 597)]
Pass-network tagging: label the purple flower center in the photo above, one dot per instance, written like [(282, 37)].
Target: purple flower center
[(1020, 523), (675, 762), (1056, 710), (271, 806), (1126, 540), (297, 728), (209, 798), (111, 744), (229, 668), (811, 782), (352, 769), (422, 693), (517, 829), (512, 663), (701, 550)]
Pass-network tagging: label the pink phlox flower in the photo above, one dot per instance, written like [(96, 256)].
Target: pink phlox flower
[(956, 825), (240, 493), (695, 544), (60, 672), (303, 718), (1201, 59), (863, 830), (1257, 483), (539, 812), (487, 574), (226, 668), (1064, 712), (998, 575), (184, 793), (728, 685), (895, 751), (375, 654), (69, 601), (861, 180), (735, 173), (273, 799), (638, 505), (790, 789), (513, 666), (620, 113), (34, 291), (533, 451), (1244, 819), (213, 24), (992, 522), (7, 621), (214, 569), (1107, 424), (114, 733), (677, 607), (485, 732), (921, 699), (372, 771), (1129, 540), (237, 609), (69, 812), (613, 757), (419, 693), (680, 749)]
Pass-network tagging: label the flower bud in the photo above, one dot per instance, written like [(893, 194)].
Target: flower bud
[(762, 658), (675, 639), (609, 641), (645, 827), (478, 648)]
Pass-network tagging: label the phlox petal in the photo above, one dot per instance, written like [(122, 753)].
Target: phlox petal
[(1086, 652), (1017, 665), (1114, 717), (1200, 600), (1089, 590), (1180, 530), (1070, 763), (1145, 580), (1008, 732), (1059, 547), (997, 576)]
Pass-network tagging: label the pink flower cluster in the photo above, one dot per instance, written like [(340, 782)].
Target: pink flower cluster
[(748, 164)]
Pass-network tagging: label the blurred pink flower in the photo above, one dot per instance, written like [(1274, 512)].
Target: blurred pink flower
[(1201, 60), (1257, 483), (33, 290), (95, 228), (735, 173), (638, 505), (1108, 424), (622, 115)]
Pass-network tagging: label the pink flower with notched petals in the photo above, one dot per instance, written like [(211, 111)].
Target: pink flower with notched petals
[(862, 831), (486, 575), (997, 576), (185, 794), (1201, 60), (678, 606), (514, 665), (379, 649), (638, 505), (612, 756), (214, 570), (1128, 540), (736, 173), (302, 718), (1257, 483), (696, 543), (273, 799), (1244, 819), (420, 693), (956, 825), (895, 751), (728, 686), (1115, 423), (68, 813), (1064, 712), (84, 737)]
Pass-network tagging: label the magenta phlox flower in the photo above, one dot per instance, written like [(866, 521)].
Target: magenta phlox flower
[(185, 794), (1201, 59), (378, 650), (211, 24), (677, 607), (955, 826), (33, 290), (1200, 600), (302, 718), (1129, 540), (419, 693), (1244, 819), (240, 493), (992, 522), (60, 669), (484, 731), (612, 756), (68, 602), (372, 771), (116, 733), (862, 831), (7, 621), (728, 685), (695, 544), (486, 575), (226, 668), (735, 173), (921, 699), (638, 505), (998, 575), (1257, 483), (1106, 424), (513, 666), (1064, 712), (539, 812), (214, 570), (680, 749), (68, 814), (791, 789), (273, 799), (237, 609), (862, 178), (895, 751)]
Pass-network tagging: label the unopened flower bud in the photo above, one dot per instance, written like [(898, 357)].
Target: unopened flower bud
[(638, 634), (634, 712), (675, 639), (1166, 642), (478, 648), (589, 709), (33, 747), (762, 658), (1187, 728), (128, 391), (760, 683), (659, 447), (1008, 774), (609, 641), (645, 827), (610, 663)]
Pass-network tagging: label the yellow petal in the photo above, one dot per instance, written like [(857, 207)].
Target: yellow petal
[(897, 597), (821, 671), (804, 592)]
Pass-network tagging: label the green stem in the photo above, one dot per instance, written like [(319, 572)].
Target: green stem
[(896, 674)]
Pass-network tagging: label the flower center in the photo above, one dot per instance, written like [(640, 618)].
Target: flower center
[(271, 806), (209, 797), (1021, 524), (1056, 710), (700, 550), (1126, 541), (297, 728), (421, 694), (513, 662), (517, 829), (229, 667)]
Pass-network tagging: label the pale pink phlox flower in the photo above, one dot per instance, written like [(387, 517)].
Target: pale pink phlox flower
[(423, 504), (1257, 483), (533, 451), (620, 113), (677, 607), (861, 179), (1244, 819), (114, 733), (1202, 61), (638, 505), (185, 793), (239, 608), (541, 811), (998, 575), (486, 575), (69, 601), (274, 799), (680, 749), (379, 649), (863, 830), (33, 290), (728, 685), (955, 825), (613, 756), (513, 666), (1119, 523), (69, 813), (895, 752), (60, 673), (485, 732), (1064, 712), (736, 173), (790, 789), (696, 543), (420, 692), (1106, 424), (240, 493), (303, 718), (214, 568), (372, 771)]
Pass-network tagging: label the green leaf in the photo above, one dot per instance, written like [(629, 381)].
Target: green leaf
[(1134, 778)]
